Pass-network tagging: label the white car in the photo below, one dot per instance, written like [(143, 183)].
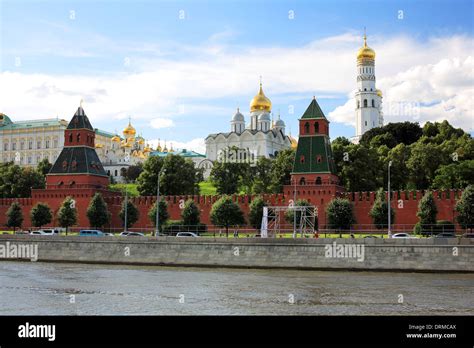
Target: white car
[(403, 235), (131, 234), (186, 234), (39, 233), (51, 231)]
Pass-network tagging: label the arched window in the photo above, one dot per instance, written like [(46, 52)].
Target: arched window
[(306, 127), (302, 159), (78, 137), (116, 172), (365, 103), (302, 181), (318, 180), (373, 103), (70, 137), (316, 127), (319, 158)]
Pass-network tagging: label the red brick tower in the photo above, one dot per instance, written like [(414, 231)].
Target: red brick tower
[(314, 172)]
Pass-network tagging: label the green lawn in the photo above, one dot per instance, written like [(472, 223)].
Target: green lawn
[(131, 189), (207, 188)]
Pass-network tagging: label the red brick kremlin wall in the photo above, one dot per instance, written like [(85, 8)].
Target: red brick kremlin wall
[(404, 204)]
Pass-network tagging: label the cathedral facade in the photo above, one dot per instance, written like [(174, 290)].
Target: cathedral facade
[(260, 137)]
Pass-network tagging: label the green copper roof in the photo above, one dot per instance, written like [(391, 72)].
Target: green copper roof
[(313, 111), (310, 148), (52, 122), (78, 160), (183, 152), (103, 133)]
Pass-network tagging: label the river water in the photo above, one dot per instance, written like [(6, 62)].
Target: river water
[(34, 288)]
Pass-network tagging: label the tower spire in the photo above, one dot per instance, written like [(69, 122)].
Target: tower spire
[(365, 38)]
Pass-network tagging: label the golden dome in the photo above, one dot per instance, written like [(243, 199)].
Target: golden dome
[(147, 148), (125, 143), (141, 141), (129, 131), (99, 146), (293, 141), (379, 93), (365, 52), (260, 102), (116, 139)]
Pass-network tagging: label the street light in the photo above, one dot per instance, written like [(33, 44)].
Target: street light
[(157, 224), (126, 207), (389, 207)]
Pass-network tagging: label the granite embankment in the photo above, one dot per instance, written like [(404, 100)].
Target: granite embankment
[(427, 255)]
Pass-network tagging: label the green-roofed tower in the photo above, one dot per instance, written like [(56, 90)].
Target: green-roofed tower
[(314, 162)]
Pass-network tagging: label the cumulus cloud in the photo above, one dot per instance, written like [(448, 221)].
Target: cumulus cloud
[(158, 123), (429, 92), (436, 74)]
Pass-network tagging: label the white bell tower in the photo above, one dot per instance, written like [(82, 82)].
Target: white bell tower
[(368, 98)]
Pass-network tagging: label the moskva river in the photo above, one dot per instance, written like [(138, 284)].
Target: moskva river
[(36, 288)]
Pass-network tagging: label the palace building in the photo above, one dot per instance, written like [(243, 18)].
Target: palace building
[(368, 98), (261, 137)]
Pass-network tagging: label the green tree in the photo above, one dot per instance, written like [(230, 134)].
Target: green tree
[(41, 215), (379, 211), (148, 178), (16, 182), (422, 164), (262, 178), (67, 214), (225, 212), (340, 147), (97, 211), (454, 176), (14, 216), (427, 212), (178, 176), (362, 170), (44, 166), (132, 213), (226, 177), (131, 173), (340, 214), (256, 212), (401, 132), (281, 170), (191, 215), (399, 156), (465, 208), (163, 215)]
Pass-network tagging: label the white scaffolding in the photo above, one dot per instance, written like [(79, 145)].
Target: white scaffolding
[(304, 222)]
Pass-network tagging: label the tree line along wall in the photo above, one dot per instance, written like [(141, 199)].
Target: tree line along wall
[(405, 205)]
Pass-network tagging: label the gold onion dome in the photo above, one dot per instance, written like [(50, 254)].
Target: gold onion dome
[(129, 131), (293, 141), (379, 93), (260, 102), (365, 52), (116, 139), (99, 146), (147, 148)]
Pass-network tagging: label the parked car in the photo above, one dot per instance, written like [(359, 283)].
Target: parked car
[(22, 232), (468, 235), (445, 235), (403, 235), (186, 234), (51, 231), (91, 233), (38, 233), (108, 234), (370, 237), (131, 234)]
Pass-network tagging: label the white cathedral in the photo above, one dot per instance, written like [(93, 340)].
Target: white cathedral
[(368, 99), (260, 137)]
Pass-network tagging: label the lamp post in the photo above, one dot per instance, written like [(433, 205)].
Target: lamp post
[(389, 207), (294, 211), (126, 208), (157, 224)]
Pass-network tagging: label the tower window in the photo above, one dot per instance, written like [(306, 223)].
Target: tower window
[(373, 103), (316, 127), (366, 123), (70, 138), (306, 127), (319, 158), (302, 181), (318, 182), (365, 103), (302, 159), (78, 137), (365, 89)]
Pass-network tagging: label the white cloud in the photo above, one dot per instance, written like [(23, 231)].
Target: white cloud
[(158, 123), (437, 72), (430, 92)]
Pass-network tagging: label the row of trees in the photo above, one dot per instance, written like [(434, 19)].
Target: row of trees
[(226, 213), (16, 181)]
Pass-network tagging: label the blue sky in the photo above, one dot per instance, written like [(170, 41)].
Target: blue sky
[(180, 68)]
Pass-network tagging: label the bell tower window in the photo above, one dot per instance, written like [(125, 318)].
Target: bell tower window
[(316, 127), (306, 127), (365, 103)]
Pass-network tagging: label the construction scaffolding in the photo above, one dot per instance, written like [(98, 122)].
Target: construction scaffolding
[(304, 220)]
